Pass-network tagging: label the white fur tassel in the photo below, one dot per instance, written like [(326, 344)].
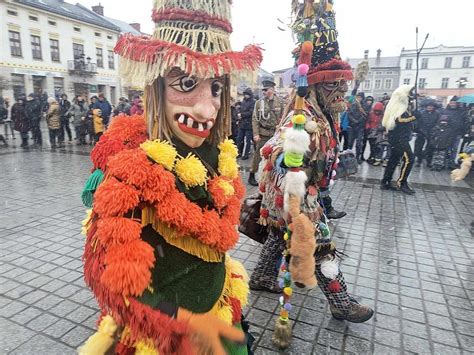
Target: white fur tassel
[(296, 141), (295, 185), (330, 269)]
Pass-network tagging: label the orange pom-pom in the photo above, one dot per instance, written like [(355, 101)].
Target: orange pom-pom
[(159, 183), (131, 167), (307, 47), (114, 198), (131, 130), (117, 230)]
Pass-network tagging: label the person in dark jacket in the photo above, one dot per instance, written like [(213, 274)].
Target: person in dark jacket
[(78, 113), (399, 120), (234, 113), (428, 119), (21, 122), (245, 124), (357, 118), (123, 107), (373, 132), (64, 107), (459, 123), (104, 106), (441, 136), (34, 114)]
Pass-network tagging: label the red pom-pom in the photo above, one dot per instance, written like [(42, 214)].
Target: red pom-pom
[(281, 222), (262, 188), (279, 201), (266, 151), (334, 286), (268, 166), (264, 213)]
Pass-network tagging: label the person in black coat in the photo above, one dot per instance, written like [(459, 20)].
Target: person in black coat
[(245, 124), (64, 107), (357, 118), (429, 117), (21, 122), (33, 114)]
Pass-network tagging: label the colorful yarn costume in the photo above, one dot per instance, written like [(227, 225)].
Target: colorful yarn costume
[(165, 194), (300, 166)]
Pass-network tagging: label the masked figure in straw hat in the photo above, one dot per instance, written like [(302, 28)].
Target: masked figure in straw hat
[(165, 194), (300, 166)]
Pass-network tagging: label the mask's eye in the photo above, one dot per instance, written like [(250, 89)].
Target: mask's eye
[(184, 83), (216, 88)]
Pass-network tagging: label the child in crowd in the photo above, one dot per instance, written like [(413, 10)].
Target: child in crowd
[(98, 124), (441, 137), (374, 131)]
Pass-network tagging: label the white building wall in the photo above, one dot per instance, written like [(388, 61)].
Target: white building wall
[(64, 32)]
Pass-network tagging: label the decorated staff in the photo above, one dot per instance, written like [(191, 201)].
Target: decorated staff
[(166, 194)]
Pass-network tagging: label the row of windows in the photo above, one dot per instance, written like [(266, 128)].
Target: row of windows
[(78, 50), (387, 84), (448, 62), (422, 82), (52, 22)]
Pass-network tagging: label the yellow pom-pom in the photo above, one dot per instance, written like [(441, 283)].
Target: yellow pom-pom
[(228, 147), (191, 171), (288, 291), (228, 166), (161, 152), (145, 348), (226, 186), (286, 236), (299, 119)]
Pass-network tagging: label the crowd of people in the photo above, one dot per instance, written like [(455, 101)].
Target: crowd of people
[(88, 118)]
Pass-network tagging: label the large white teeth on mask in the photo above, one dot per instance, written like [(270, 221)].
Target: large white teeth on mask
[(181, 119), (190, 122), (200, 127), (210, 124)]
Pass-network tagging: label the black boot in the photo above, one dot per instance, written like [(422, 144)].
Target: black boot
[(386, 185), (406, 189), (333, 214), (252, 180)]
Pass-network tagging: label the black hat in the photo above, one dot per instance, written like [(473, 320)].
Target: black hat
[(361, 94), (248, 91), (454, 98), (268, 84)]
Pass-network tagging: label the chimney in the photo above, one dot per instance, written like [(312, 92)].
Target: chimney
[(98, 9), (379, 52), (136, 26), (366, 54)]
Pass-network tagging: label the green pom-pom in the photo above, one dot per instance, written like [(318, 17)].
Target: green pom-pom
[(293, 160), (91, 185)]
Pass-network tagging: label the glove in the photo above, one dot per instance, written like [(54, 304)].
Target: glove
[(208, 330)]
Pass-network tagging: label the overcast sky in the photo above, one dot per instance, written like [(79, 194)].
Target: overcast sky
[(362, 24)]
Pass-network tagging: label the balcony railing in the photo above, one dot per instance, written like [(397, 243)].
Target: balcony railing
[(81, 67)]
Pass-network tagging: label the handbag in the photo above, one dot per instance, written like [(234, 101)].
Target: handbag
[(249, 216)]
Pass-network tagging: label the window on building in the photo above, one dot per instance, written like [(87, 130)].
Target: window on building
[(424, 63), (100, 57), (388, 84), (78, 50), (444, 83), (378, 73), (406, 81), (15, 43), (98, 34), (111, 60), (12, 12), (110, 37), (18, 85), (39, 84), (52, 22), (367, 85), (113, 94), (466, 62), (33, 18), (409, 64), (58, 86), (389, 73), (378, 84), (447, 62), (36, 47), (280, 81), (77, 29), (54, 46), (422, 83)]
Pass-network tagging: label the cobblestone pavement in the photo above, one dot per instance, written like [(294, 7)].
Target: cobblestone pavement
[(411, 258)]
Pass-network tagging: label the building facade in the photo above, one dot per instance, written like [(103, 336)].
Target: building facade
[(444, 72), (55, 47), (383, 76)]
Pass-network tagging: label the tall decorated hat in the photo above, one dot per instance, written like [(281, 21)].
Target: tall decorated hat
[(316, 33), (192, 35)]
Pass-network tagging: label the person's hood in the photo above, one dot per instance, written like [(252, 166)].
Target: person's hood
[(378, 106)]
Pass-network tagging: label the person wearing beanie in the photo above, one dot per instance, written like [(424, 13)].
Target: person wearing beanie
[(429, 117), (33, 112), (53, 119), (165, 194), (20, 120)]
